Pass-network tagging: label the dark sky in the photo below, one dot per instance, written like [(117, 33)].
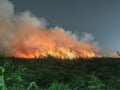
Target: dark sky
[(101, 18)]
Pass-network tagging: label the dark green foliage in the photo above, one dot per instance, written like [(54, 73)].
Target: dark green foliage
[(95, 83), (58, 86), (78, 82), (54, 74), (2, 82)]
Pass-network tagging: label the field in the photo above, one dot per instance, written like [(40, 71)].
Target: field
[(54, 74)]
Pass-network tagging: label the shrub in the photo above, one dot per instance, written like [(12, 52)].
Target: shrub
[(59, 86), (2, 82), (95, 83)]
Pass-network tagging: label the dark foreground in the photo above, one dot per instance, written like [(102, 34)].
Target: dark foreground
[(54, 74)]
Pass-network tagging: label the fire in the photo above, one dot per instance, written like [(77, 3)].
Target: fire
[(24, 35), (65, 55), (42, 43), (60, 54), (56, 43)]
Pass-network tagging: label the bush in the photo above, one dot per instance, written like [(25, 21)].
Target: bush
[(40, 74), (59, 86), (95, 83), (2, 82)]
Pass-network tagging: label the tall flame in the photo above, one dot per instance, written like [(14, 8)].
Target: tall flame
[(56, 42)]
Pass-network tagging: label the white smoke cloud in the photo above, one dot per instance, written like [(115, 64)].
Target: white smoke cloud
[(23, 33), (108, 51), (6, 9), (26, 18), (86, 37)]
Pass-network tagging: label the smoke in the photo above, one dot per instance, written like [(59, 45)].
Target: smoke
[(23, 34), (6, 9), (109, 52)]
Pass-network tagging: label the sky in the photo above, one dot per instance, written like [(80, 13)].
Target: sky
[(101, 18)]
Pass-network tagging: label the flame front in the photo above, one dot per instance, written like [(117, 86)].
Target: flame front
[(56, 54), (56, 43)]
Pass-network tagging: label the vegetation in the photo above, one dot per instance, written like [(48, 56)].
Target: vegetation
[(54, 74)]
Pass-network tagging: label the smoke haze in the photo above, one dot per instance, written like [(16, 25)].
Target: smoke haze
[(24, 35)]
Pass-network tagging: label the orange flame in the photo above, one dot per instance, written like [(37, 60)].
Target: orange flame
[(24, 35), (55, 42), (56, 54)]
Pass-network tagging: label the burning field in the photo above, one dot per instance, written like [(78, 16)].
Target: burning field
[(35, 57), (56, 42), (25, 36)]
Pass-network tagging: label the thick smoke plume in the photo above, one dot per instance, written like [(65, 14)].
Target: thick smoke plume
[(24, 35)]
